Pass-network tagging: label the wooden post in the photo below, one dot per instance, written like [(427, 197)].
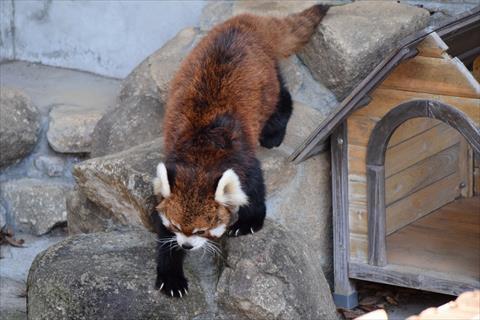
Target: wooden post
[(377, 235), (344, 295)]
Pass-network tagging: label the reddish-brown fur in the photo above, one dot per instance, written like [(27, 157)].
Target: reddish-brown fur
[(232, 71)]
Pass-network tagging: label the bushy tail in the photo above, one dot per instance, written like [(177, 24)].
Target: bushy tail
[(288, 35)]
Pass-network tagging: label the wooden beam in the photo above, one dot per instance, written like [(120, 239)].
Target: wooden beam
[(377, 254), (412, 277), (385, 99), (438, 76), (432, 46), (343, 285)]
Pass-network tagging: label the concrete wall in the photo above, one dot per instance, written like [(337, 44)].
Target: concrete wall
[(104, 37)]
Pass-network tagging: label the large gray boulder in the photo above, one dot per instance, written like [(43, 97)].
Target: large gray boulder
[(352, 39), (111, 276), (36, 205), (271, 275), (137, 117), (70, 129), (84, 216), (120, 183), (19, 126), (105, 276)]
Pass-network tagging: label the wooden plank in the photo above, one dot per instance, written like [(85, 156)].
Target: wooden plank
[(447, 240), (360, 127), (432, 46), (358, 247), (377, 254), (385, 99), (422, 174), (358, 219), (401, 156), (465, 169), (420, 147), (412, 277), (476, 174), (432, 75), (343, 285), (422, 202), (476, 68)]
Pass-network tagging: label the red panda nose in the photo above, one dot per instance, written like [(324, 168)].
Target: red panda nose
[(187, 246)]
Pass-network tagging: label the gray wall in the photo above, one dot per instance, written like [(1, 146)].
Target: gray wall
[(104, 37)]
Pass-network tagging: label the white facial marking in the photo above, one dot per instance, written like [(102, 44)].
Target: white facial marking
[(195, 241), (161, 186), (218, 230), (165, 220), (229, 190)]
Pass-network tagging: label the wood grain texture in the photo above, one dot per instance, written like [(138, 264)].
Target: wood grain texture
[(422, 202), (476, 174), (384, 99), (432, 75), (465, 169), (360, 128), (419, 147), (343, 285), (401, 155), (447, 240), (422, 174), (377, 255), (432, 46), (413, 277), (358, 248)]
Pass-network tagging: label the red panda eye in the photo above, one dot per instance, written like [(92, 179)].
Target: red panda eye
[(199, 232)]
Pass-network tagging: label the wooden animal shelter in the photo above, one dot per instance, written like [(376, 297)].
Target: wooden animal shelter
[(405, 148)]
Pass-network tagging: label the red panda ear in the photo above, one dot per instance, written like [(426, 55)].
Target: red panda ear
[(161, 185), (229, 191)]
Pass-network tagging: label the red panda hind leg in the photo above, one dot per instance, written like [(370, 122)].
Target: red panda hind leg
[(275, 128)]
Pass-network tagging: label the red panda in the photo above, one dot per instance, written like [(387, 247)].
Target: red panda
[(227, 96)]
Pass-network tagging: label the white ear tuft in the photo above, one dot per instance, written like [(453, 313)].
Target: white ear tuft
[(161, 186), (229, 191)]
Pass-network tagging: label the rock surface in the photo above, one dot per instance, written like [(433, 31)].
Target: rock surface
[(121, 182), (271, 276), (19, 126), (137, 118), (36, 205), (84, 216), (111, 276), (352, 39), (71, 128)]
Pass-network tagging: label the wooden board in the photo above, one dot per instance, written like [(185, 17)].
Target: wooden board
[(358, 247), (401, 156), (432, 46), (422, 202), (437, 76), (422, 174), (360, 128), (447, 240), (384, 99)]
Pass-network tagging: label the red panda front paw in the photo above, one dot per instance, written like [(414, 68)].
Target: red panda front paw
[(241, 228), (172, 285)]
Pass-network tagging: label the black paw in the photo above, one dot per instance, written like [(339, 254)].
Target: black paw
[(172, 286), (272, 140), (241, 228)]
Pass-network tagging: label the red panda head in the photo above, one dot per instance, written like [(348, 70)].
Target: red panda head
[(198, 206)]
